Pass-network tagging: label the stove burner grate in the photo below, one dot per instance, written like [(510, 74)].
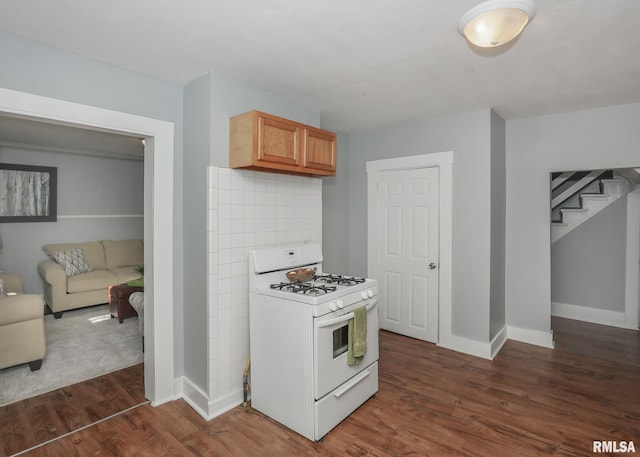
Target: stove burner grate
[(340, 280), (306, 288)]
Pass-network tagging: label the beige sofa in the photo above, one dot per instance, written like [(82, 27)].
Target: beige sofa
[(22, 338), (109, 262)]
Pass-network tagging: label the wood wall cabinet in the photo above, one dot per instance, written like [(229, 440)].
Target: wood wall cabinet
[(261, 141)]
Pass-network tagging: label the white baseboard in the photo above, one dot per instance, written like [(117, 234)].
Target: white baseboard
[(498, 341), (222, 405), (178, 386), (491, 349), (467, 346), (195, 397), (199, 400), (529, 336), (586, 314)]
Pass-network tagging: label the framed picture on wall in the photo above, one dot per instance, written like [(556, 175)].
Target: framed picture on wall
[(28, 193)]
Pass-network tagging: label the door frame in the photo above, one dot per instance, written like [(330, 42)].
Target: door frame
[(632, 303), (158, 217), (444, 162)]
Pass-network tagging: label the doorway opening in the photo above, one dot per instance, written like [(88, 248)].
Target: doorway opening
[(595, 246), (158, 217), (101, 184)]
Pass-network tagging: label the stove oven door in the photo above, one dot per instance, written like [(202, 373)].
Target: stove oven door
[(330, 348)]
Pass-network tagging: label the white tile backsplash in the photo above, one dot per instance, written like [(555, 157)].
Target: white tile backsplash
[(251, 210)]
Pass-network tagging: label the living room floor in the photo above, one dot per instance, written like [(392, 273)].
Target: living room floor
[(527, 401)]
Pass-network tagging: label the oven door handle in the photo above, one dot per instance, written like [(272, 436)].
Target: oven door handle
[(344, 317)]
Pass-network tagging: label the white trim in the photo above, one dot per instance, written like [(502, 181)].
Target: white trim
[(195, 397), (477, 348), (631, 299), (588, 314), (101, 216), (444, 162), (221, 405), (178, 388), (434, 159), (527, 335), (498, 341), (467, 346), (158, 221), (200, 402)]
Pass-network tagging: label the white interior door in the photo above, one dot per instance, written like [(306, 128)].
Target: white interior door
[(407, 246)]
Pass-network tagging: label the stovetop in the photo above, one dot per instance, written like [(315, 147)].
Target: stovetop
[(341, 280), (305, 288), (323, 288), (320, 284), (324, 293)]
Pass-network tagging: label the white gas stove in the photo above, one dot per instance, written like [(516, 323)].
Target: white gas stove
[(299, 340)]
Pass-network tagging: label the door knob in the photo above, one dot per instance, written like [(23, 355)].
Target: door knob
[(432, 266)]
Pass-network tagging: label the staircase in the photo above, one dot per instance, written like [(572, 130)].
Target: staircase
[(578, 196)]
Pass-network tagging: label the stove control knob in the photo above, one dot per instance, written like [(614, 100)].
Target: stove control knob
[(340, 304), (370, 293), (332, 306), (364, 295)]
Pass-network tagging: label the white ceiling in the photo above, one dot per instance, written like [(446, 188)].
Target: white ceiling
[(363, 64), (29, 134)]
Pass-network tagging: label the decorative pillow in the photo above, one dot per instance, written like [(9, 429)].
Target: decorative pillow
[(73, 261)]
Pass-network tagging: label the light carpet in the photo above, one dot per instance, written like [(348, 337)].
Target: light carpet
[(83, 344)]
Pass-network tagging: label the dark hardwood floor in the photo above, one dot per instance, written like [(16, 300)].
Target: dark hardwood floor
[(39, 419), (613, 344), (528, 401)]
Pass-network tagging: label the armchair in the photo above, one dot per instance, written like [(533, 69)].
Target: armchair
[(22, 337)]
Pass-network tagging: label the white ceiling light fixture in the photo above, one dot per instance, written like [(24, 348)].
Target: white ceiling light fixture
[(496, 22)]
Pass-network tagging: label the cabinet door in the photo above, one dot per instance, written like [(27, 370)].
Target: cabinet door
[(278, 141), (319, 149)]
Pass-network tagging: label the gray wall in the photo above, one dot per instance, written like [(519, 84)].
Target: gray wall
[(87, 186), (468, 135), (335, 212), (592, 139), (36, 69), (232, 97), (498, 219), (209, 102), (197, 147), (588, 265)]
